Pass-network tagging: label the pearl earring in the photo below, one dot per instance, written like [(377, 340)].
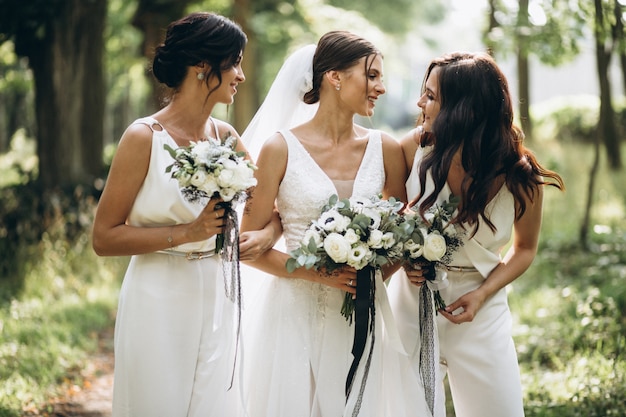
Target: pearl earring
[(201, 76), (338, 87)]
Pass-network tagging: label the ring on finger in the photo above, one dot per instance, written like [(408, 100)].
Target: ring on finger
[(217, 215), (350, 283)]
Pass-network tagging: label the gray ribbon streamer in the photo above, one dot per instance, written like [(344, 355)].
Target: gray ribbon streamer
[(427, 346)]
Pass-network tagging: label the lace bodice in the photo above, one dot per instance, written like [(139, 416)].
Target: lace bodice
[(305, 187)]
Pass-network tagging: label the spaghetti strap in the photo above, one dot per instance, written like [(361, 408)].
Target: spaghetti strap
[(150, 122), (217, 131)]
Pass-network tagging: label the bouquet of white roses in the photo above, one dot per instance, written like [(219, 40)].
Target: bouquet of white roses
[(212, 168), (433, 238), (365, 234), (356, 232)]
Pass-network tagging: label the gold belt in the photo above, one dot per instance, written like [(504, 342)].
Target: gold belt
[(190, 256), (453, 268)]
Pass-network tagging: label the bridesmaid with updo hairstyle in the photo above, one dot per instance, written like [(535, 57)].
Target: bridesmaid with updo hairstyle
[(174, 355)]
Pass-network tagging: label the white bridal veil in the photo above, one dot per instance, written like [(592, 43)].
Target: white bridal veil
[(283, 107)]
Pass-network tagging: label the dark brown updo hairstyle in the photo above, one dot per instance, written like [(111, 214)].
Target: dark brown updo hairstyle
[(338, 51), (476, 113), (198, 38)]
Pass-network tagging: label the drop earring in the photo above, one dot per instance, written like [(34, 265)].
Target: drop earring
[(200, 76), (338, 87)]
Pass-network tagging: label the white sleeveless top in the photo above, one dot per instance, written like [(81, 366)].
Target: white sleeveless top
[(483, 250), (305, 187), (159, 202)]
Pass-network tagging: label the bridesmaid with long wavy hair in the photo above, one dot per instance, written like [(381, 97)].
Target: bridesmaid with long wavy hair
[(466, 145)]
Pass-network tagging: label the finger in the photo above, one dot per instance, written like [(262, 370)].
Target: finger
[(348, 288), (451, 317)]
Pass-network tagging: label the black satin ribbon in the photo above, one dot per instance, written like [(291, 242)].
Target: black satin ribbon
[(231, 270), (364, 324)]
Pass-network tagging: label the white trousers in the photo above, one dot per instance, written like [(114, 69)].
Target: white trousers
[(480, 356)]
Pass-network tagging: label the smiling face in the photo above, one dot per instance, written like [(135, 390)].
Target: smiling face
[(365, 76), (231, 77), (430, 102)]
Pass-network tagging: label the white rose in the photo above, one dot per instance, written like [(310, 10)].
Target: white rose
[(388, 240), (337, 247), (244, 176), (376, 239), (209, 185), (351, 236), (312, 234), (184, 178), (429, 216), (434, 247), (359, 256), (198, 178), (226, 177), (227, 194)]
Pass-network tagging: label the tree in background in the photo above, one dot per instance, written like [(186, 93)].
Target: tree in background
[(549, 30), (63, 42), (152, 18), (608, 31)]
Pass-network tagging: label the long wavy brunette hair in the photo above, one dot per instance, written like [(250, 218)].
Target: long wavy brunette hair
[(476, 114)]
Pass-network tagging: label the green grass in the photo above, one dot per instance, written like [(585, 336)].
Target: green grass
[(569, 308), (53, 324)]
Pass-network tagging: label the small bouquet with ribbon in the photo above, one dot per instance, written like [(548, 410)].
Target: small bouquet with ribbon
[(433, 238), (361, 233), (213, 169), (365, 234)]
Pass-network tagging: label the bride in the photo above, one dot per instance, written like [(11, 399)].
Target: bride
[(297, 346)]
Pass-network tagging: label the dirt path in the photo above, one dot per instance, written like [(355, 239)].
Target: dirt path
[(93, 397)]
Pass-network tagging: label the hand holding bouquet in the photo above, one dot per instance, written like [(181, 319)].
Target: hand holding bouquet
[(432, 240), (356, 232), (212, 169)]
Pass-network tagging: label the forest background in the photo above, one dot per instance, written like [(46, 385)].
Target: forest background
[(73, 75)]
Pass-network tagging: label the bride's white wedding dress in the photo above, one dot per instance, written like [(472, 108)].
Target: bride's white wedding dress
[(296, 346)]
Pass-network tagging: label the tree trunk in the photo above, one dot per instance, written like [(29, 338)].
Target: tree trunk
[(246, 101), (607, 128), (69, 99), (606, 125), (593, 174), (152, 18), (523, 68), (491, 25), (523, 74), (622, 60)]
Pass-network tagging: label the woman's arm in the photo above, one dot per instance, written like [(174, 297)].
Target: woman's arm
[(409, 144), (516, 261), (253, 242), (395, 169), (111, 235), (259, 210)]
